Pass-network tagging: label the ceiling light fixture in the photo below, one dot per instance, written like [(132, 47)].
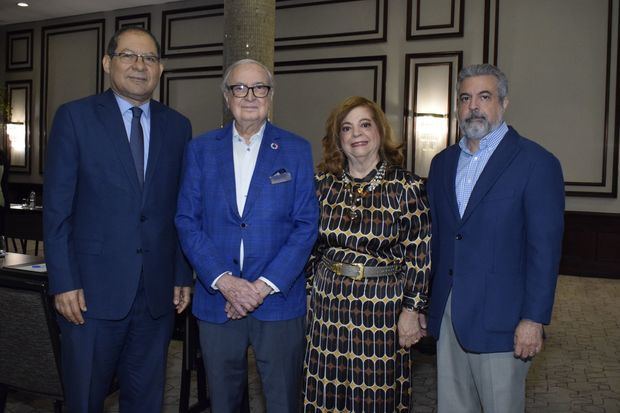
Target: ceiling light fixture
[(22, 4)]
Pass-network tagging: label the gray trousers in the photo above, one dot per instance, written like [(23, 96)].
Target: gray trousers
[(474, 382), (279, 348)]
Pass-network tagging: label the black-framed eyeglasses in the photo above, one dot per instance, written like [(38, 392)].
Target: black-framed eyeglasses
[(131, 58), (241, 91)]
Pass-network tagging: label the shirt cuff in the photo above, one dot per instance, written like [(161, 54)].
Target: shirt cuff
[(274, 289), (218, 278)]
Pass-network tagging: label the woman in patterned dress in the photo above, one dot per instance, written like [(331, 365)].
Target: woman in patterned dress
[(369, 271)]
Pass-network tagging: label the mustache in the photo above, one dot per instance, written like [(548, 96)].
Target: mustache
[(475, 116)]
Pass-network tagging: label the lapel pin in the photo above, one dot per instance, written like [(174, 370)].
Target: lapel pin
[(274, 146)]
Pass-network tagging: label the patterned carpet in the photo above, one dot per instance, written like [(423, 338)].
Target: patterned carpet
[(579, 370)]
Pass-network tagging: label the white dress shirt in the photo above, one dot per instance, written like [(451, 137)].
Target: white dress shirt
[(245, 156)]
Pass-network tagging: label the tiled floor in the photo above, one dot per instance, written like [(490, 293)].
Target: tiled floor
[(579, 370)]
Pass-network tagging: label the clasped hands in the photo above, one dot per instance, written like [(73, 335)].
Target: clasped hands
[(411, 327), (242, 296)]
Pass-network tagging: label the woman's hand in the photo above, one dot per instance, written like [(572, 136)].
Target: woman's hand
[(411, 327)]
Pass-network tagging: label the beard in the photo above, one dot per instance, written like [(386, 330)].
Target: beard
[(476, 126)]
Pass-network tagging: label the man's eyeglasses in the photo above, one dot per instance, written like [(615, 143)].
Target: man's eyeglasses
[(131, 58), (241, 91)]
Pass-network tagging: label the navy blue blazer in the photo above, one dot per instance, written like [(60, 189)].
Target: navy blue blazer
[(279, 223), (101, 228), (501, 259)]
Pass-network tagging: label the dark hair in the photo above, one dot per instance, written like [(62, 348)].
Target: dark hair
[(334, 159), (485, 70), (113, 43)]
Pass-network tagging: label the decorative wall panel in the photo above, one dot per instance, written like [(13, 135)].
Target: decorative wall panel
[(330, 23), (307, 90), (195, 92), (567, 93), (135, 20), (194, 31), (19, 50), (435, 18), (71, 68)]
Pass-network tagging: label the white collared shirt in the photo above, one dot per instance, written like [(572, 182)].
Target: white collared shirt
[(245, 156)]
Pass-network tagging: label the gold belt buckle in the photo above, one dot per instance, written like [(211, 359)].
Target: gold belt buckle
[(337, 268), (360, 271)]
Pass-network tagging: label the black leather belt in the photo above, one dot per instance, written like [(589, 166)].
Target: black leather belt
[(359, 271)]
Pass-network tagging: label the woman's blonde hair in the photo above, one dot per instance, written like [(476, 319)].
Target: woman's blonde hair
[(334, 160)]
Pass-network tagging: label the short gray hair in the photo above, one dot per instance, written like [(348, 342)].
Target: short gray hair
[(485, 70), (224, 84)]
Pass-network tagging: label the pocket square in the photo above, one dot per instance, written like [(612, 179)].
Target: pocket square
[(280, 176)]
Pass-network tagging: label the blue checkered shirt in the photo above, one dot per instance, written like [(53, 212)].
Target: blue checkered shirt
[(471, 165)]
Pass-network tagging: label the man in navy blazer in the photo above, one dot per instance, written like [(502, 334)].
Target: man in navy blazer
[(115, 265), (247, 219), (497, 204)]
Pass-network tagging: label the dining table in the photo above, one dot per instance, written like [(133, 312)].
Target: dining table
[(24, 223)]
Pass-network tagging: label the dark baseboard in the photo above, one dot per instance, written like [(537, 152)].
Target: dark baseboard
[(591, 245)]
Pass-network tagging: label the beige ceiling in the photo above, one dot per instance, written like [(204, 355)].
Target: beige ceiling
[(47, 9)]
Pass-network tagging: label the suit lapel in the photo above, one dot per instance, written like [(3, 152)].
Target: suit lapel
[(499, 161), (226, 166), (268, 152), (110, 116), (450, 179)]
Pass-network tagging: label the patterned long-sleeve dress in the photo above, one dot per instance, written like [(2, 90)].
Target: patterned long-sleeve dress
[(353, 360)]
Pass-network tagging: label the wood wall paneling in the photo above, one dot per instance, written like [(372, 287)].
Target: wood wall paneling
[(71, 69), (591, 245)]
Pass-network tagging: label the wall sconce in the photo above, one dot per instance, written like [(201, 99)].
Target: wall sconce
[(17, 136), (431, 130), (430, 124)]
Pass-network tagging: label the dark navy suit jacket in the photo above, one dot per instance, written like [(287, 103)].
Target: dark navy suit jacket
[(279, 223), (501, 258), (101, 228)]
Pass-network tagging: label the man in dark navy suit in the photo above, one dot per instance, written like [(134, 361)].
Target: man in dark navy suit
[(497, 204), (115, 265)]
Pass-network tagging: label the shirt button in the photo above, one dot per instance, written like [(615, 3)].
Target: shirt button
[(139, 251), (458, 237), (243, 225)]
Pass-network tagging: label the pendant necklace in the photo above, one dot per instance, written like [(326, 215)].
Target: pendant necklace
[(355, 193)]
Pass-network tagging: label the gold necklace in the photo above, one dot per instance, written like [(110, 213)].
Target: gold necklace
[(355, 195)]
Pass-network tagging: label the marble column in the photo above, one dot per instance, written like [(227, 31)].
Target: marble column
[(249, 33)]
